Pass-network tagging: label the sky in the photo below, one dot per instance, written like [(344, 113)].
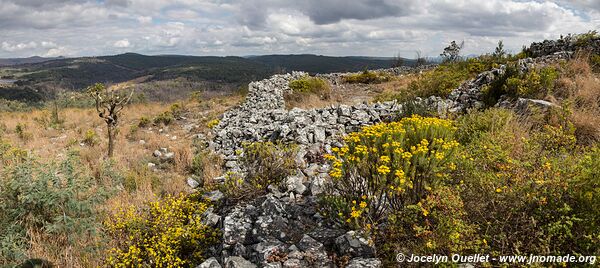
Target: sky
[(73, 28)]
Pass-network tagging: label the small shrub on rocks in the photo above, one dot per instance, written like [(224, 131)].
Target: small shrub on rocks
[(536, 83), (166, 233), (212, 123), (268, 163), (307, 87), (367, 77)]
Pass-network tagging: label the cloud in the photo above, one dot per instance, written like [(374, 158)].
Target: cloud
[(124, 43), (243, 27), (18, 47)]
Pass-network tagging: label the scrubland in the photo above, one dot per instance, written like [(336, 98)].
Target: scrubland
[(492, 181)]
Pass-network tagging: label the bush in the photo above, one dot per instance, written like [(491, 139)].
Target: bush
[(55, 201), (177, 109), (473, 125), (90, 138), (268, 163), (306, 86), (22, 133), (164, 118), (212, 123), (536, 83), (528, 194), (585, 39), (367, 77), (144, 121), (437, 225), (166, 233), (386, 167)]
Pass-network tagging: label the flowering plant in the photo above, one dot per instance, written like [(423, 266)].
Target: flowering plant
[(388, 166)]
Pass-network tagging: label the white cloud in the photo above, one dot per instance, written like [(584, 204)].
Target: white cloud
[(18, 47), (124, 43), (56, 52), (242, 27)]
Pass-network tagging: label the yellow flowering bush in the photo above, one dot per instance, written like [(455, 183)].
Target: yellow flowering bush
[(213, 123), (166, 233), (388, 166)]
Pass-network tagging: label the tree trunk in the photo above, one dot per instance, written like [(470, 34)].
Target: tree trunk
[(111, 140)]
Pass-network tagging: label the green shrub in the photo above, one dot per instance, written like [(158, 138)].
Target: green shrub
[(386, 167), (165, 233), (164, 118), (200, 160), (367, 77), (57, 200), (584, 39), (90, 138), (595, 62), (22, 133), (536, 83), (437, 225), (311, 85), (472, 125), (268, 163), (144, 121), (528, 194), (10, 154), (177, 109)]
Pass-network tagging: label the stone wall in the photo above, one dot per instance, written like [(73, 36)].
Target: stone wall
[(570, 43), (263, 117)]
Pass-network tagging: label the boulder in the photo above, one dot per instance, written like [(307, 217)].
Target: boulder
[(238, 262), (210, 263)]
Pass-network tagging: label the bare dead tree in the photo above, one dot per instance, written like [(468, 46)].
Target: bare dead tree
[(452, 52), (398, 61), (109, 103), (420, 61)]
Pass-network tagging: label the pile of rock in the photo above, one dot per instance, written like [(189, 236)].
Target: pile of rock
[(570, 43), (469, 95), (271, 232)]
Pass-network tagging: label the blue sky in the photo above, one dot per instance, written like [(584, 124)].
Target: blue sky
[(251, 27)]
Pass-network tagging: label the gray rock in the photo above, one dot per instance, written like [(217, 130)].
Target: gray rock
[(238, 262), (364, 263), (292, 263), (209, 218), (295, 184), (354, 245), (157, 153), (214, 196), (210, 263), (193, 183)]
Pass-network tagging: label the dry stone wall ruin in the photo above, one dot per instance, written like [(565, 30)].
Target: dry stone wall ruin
[(286, 222)]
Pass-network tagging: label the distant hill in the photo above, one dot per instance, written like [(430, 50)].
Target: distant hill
[(325, 64), (17, 61), (35, 74)]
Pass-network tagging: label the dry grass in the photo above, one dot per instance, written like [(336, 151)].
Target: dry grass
[(141, 184), (396, 88), (581, 86)]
